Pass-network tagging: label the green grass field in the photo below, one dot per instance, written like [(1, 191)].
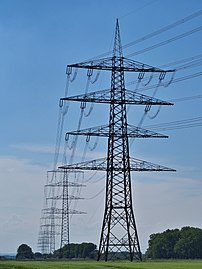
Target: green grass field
[(173, 264)]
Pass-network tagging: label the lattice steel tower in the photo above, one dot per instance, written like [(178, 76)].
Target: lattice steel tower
[(119, 232)]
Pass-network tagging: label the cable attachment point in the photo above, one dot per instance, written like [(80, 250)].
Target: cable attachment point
[(147, 108), (89, 72), (66, 137), (141, 75), (61, 103), (87, 138), (171, 80), (83, 105), (150, 78), (68, 70), (162, 75)]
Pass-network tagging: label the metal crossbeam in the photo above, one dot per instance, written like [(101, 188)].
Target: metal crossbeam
[(128, 65), (101, 165), (60, 211), (104, 96), (103, 131), (60, 197), (62, 184)]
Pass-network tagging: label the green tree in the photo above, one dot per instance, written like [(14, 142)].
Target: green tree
[(161, 245), (24, 252), (38, 256), (83, 250), (189, 246), (185, 244)]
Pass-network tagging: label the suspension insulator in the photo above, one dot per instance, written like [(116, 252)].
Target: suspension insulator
[(66, 137), (162, 75), (147, 108), (83, 105), (88, 138), (141, 75), (68, 70), (61, 103), (89, 72)]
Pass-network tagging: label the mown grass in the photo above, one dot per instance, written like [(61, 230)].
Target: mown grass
[(168, 264)]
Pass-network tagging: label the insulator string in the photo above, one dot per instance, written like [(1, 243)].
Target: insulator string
[(171, 80), (150, 79), (96, 78), (156, 114), (95, 144), (87, 114)]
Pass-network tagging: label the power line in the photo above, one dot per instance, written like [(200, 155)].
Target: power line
[(174, 125), (189, 59), (187, 98), (163, 29), (145, 5), (166, 82), (155, 33), (165, 42)]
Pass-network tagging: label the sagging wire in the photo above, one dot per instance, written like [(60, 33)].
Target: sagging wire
[(96, 195), (63, 109), (82, 108), (96, 77), (69, 72), (89, 111), (171, 80), (83, 158), (148, 107), (89, 75), (92, 176), (74, 143), (95, 144), (150, 79), (161, 77), (139, 79), (156, 114), (192, 62)]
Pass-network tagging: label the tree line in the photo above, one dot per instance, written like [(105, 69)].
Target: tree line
[(185, 243), (71, 251), (176, 244)]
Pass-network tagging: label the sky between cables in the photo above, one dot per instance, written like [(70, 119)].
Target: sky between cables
[(158, 32)]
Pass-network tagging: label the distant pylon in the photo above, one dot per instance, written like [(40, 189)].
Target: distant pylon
[(54, 227)]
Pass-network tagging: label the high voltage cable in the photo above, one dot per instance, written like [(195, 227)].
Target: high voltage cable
[(155, 33), (137, 9), (192, 61), (187, 98), (189, 65), (165, 42), (180, 124), (182, 60), (165, 28), (165, 83)]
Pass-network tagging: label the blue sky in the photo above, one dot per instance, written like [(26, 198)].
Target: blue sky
[(37, 40)]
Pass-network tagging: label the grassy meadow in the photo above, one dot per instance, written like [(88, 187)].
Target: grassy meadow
[(167, 264)]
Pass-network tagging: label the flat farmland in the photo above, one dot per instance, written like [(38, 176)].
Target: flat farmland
[(165, 264)]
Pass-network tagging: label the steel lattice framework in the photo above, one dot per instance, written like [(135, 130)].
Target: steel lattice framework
[(56, 212), (119, 232)]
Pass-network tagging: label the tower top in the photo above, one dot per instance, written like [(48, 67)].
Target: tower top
[(117, 50)]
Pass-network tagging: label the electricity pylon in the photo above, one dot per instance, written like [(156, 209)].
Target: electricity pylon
[(119, 231), (56, 212)]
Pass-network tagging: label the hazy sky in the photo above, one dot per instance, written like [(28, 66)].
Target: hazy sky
[(37, 39)]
